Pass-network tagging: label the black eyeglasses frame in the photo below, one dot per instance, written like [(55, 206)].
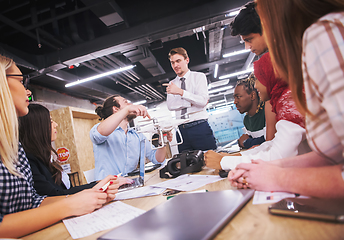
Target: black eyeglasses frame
[(25, 81)]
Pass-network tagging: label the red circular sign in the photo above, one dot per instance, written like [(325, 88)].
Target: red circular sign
[(63, 154)]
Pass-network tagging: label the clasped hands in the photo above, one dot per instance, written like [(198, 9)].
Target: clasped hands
[(258, 174)]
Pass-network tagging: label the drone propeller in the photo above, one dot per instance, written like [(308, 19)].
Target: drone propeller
[(145, 120)]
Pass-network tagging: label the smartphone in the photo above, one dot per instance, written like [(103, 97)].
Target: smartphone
[(314, 208)]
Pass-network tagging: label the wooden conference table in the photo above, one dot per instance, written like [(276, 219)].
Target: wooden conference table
[(252, 222)]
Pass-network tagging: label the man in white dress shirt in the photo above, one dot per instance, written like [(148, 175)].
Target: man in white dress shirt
[(187, 95)]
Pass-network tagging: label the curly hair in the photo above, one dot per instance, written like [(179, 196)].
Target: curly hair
[(248, 84)]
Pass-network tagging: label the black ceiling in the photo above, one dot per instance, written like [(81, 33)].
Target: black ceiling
[(46, 37)]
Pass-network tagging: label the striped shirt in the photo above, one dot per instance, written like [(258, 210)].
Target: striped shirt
[(323, 73)]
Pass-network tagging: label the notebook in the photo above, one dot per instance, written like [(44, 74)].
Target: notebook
[(185, 216), (140, 180)]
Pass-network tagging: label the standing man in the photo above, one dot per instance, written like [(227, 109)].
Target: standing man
[(117, 148), (187, 95), (247, 101), (247, 25)]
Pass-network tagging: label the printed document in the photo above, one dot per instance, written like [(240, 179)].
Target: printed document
[(139, 192), (188, 182), (109, 216)]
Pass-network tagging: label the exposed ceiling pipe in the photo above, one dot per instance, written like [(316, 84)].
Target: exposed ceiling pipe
[(162, 96), (21, 29), (121, 64), (97, 62), (108, 67), (42, 23), (113, 65), (150, 91)]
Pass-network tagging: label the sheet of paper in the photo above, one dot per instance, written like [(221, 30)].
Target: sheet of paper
[(109, 216), (272, 197), (139, 192), (188, 182)]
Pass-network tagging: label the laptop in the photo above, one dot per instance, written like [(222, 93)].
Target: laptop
[(140, 180), (185, 216)]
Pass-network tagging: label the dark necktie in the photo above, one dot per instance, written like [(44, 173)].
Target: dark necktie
[(182, 86)]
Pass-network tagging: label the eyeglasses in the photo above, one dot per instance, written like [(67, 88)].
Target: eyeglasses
[(25, 80)]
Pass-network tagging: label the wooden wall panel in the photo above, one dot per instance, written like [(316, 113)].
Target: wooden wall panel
[(73, 129)]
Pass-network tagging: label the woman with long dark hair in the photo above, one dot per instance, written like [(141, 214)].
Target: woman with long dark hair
[(306, 43), (36, 133)]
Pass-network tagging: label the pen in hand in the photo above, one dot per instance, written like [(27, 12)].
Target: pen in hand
[(108, 183)]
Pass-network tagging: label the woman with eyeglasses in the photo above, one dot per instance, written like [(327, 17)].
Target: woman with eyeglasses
[(306, 42), (22, 210)]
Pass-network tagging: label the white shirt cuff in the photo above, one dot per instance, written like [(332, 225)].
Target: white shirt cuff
[(230, 162)]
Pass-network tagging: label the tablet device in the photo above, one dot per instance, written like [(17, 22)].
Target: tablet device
[(314, 208)]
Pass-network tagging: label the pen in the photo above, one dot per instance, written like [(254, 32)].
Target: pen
[(108, 183), (171, 192)]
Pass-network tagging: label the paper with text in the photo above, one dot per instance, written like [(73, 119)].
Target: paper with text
[(109, 216), (139, 192), (261, 197), (188, 182)]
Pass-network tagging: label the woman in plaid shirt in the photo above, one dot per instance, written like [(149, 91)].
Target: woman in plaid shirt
[(19, 201), (306, 42)]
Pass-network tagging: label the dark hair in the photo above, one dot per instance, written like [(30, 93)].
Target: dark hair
[(105, 110), (35, 136), (248, 84), (178, 50), (247, 21)]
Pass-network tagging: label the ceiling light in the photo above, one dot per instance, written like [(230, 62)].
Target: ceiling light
[(216, 102), (231, 54), (99, 76), (220, 89), (236, 73), (218, 83), (216, 70), (140, 102), (232, 13)]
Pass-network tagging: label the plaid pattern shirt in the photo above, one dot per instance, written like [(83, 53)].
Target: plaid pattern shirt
[(323, 73), (17, 193)]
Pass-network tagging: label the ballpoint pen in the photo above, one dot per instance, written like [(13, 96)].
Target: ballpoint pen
[(108, 183)]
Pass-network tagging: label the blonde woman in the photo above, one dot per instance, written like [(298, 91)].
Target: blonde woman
[(19, 201)]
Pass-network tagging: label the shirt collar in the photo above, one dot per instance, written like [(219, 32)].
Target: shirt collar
[(186, 75), (130, 129)]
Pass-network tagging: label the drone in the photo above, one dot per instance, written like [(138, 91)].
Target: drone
[(157, 128)]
